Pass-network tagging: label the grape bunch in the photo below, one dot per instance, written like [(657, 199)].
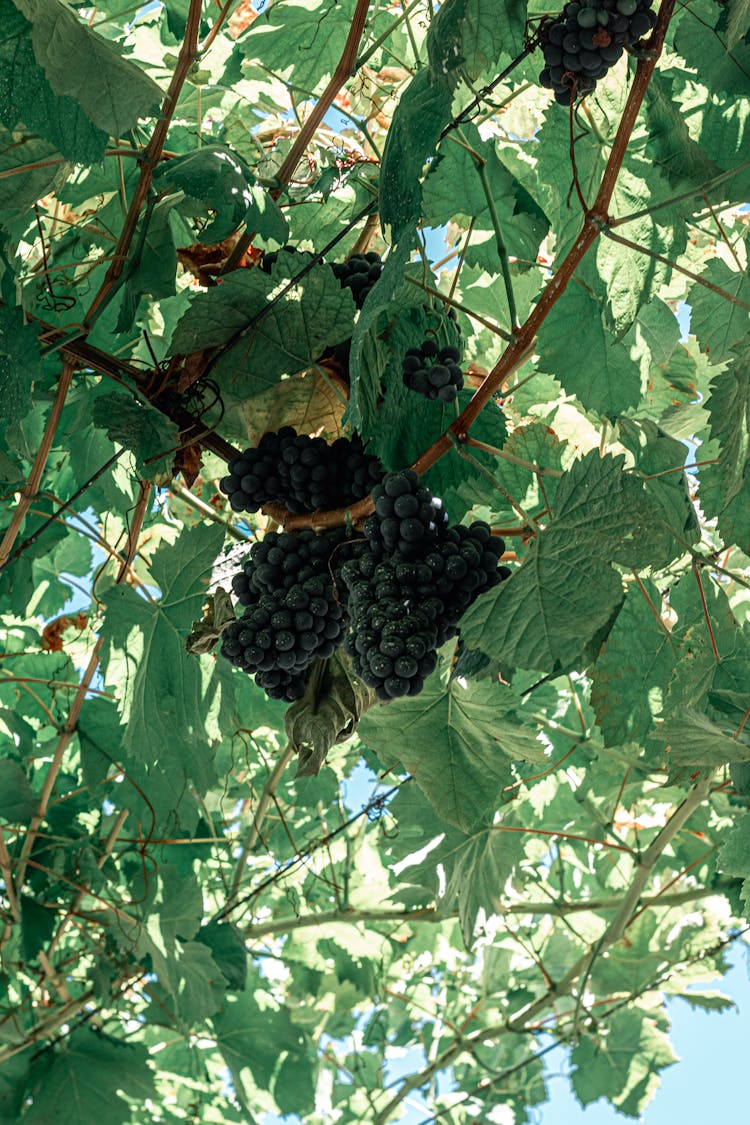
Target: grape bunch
[(433, 373), (282, 560), (391, 596), (359, 273), (281, 632), (301, 472), (588, 38), (288, 585), (409, 588), (408, 519)]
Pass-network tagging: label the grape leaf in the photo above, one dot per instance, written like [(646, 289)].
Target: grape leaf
[(151, 436), (598, 370), (720, 325), (422, 112), (633, 670), (112, 91), (160, 688), (20, 363), (694, 740), (17, 803), (623, 1063), (457, 744), (215, 175), (729, 413), (566, 591), (26, 95), (84, 1079)]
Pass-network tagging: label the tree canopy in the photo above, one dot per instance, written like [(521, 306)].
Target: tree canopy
[(215, 905)]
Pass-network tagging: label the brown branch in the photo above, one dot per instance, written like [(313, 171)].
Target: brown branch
[(191, 428), (149, 160), (344, 69), (594, 221), (696, 277), (32, 485)]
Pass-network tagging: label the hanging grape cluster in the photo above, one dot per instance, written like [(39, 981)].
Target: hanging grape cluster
[(359, 273), (588, 38), (392, 594), (292, 612), (302, 472), (433, 372), (408, 589)]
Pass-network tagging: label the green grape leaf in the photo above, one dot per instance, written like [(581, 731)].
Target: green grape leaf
[(146, 432), (693, 740), (20, 363), (228, 951), (633, 669), (729, 422), (301, 41), (566, 591), (217, 176), (734, 856), (26, 96), (17, 803), (622, 1062), (84, 1079), (456, 743), (255, 1035), (598, 371), (160, 686), (720, 325), (422, 112), (478, 871), (455, 187), (112, 91)]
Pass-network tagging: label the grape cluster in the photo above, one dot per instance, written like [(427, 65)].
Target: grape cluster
[(409, 588), (408, 519), (433, 373), (588, 38), (283, 560), (282, 632), (293, 614), (359, 273), (301, 472), (392, 596), (269, 259)]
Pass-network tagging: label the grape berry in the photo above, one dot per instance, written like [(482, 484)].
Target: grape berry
[(433, 373), (588, 38)]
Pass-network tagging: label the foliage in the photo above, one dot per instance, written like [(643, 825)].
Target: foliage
[(548, 841)]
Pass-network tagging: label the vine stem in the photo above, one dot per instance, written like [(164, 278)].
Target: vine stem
[(537, 470), (344, 70), (185, 59), (481, 166), (595, 221), (35, 476), (75, 708), (612, 934), (253, 835), (352, 916), (345, 67), (696, 277)]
